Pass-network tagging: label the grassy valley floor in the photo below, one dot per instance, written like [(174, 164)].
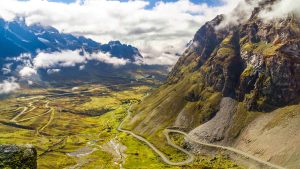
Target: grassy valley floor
[(76, 127)]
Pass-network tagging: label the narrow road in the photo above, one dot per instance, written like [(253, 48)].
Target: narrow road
[(191, 156), (29, 118), (49, 121), (161, 154), (226, 148), (23, 112)]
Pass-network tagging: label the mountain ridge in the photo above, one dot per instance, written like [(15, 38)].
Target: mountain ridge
[(29, 39), (71, 58), (255, 63)]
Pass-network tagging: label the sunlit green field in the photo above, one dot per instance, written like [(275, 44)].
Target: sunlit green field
[(76, 127)]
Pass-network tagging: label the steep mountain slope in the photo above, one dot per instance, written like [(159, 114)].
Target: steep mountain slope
[(228, 78)]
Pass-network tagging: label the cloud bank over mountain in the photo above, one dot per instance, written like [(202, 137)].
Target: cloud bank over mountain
[(160, 32), (56, 60), (282, 9)]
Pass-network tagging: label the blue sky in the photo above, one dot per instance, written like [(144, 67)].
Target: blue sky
[(152, 2)]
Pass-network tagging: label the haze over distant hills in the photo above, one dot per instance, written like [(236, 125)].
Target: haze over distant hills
[(37, 53)]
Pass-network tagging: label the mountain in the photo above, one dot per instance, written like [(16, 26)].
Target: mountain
[(235, 85), (17, 37), (70, 58)]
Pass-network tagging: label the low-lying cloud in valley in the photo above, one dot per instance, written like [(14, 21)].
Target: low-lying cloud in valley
[(53, 61), (8, 86)]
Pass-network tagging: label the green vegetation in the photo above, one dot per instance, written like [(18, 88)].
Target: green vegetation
[(70, 128), (218, 162), (247, 72), (283, 114), (226, 48), (225, 51), (243, 40), (177, 138), (241, 119), (266, 49), (202, 162), (263, 48), (227, 40), (68, 131), (248, 47)]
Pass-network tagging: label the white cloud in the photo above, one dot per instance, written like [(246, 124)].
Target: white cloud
[(171, 24), (282, 9), (66, 58), (107, 58), (27, 72), (56, 60), (6, 68), (70, 58), (81, 67), (30, 82), (51, 71), (8, 86), (239, 14)]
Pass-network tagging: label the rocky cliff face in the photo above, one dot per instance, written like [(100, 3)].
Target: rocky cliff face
[(256, 62), (13, 156), (227, 78)]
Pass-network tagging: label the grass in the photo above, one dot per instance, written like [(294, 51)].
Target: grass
[(217, 162), (100, 103), (248, 47), (267, 49), (263, 48), (225, 51), (241, 119), (177, 138), (247, 72), (283, 114), (70, 131), (145, 159), (74, 129)]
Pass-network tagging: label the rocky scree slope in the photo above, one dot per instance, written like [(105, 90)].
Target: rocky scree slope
[(255, 65)]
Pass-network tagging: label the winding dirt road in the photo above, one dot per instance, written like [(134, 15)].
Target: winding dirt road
[(49, 121), (191, 156), (35, 116), (161, 154), (239, 152), (166, 133), (23, 112)]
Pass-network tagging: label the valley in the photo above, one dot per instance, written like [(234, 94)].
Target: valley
[(169, 84), (81, 127)]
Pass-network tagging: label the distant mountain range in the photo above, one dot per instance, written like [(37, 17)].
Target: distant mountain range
[(16, 37)]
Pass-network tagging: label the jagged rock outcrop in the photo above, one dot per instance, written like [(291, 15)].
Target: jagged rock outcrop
[(22, 157), (227, 78), (255, 61)]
